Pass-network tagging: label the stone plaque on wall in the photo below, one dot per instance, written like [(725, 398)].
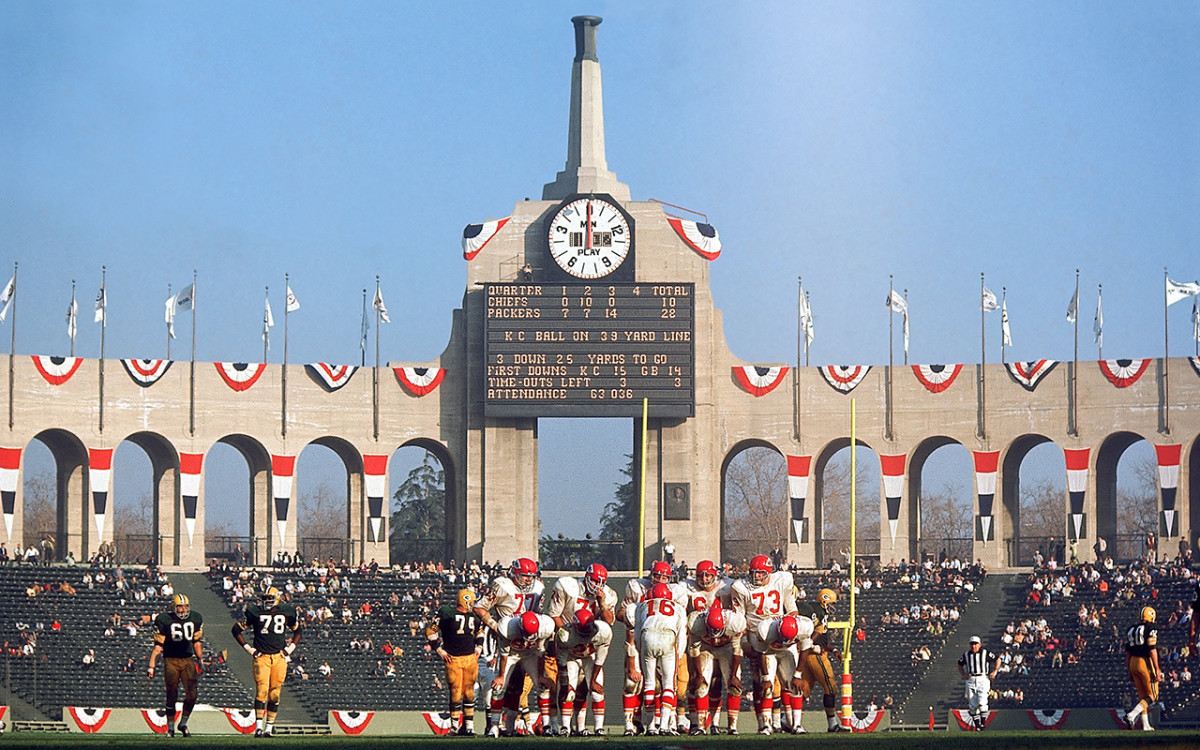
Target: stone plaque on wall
[(677, 501)]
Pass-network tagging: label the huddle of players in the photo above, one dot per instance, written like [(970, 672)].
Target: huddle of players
[(177, 634), (679, 638)]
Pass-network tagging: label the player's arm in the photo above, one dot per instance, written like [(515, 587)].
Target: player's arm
[(434, 635), (297, 632), (961, 672), (995, 667), (154, 653), (236, 631)]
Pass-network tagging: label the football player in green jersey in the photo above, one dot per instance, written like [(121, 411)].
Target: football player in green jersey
[(276, 633), (177, 636)]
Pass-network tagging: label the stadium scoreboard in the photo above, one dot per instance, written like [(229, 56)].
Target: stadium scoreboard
[(577, 350)]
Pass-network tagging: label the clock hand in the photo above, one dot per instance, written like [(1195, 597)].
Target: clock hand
[(587, 241)]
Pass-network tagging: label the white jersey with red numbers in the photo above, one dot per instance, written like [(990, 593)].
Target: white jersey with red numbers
[(520, 648), (731, 635), (504, 599), (772, 599), (574, 647), (659, 628), (568, 595), (765, 639), (698, 599)]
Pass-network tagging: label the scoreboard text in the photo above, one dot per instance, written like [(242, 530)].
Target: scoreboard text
[(559, 350)]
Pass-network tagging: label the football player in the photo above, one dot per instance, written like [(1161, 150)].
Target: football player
[(524, 639), (817, 668), (658, 635), (635, 592), (177, 636), (715, 636), (767, 593), (775, 645), (582, 649), (458, 639), (569, 595), (1141, 658), (276, 632)]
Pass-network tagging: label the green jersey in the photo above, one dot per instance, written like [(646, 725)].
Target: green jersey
[(273, 628), (176, 635)]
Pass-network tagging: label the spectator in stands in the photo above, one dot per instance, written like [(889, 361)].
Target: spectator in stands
[(88, 659), (326, 670), (3, 555)]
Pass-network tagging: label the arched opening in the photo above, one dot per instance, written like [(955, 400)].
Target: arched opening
[(236, 501), (418, 508), (324, 500), (941, 502), (834, 474), (1035, 496), (1127, 496), (142, 500), (754, 502), (56, 473)]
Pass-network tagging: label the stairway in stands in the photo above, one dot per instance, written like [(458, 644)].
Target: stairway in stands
[(218, 622), (986, 615)]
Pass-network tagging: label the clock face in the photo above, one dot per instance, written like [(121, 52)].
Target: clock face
[(589, 237)]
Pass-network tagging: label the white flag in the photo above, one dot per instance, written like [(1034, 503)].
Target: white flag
[(1004, 329), (1177, 291), (806, 321), (6, 296), (100, 307), (988, 301), (1098, 321), (366, 325), (268, 321), (72, 312), (382, 308), (184, 300), (896, 303), (1073, 308), (293, 304)]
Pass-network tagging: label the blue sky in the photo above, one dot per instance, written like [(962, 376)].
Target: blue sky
[(840, 142)]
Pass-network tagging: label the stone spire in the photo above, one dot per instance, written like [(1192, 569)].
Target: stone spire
[(586, 170)]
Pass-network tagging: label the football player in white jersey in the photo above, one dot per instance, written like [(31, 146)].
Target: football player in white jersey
[(582, 649), (524, 639), (715, 636), (569, 595), (658, 633), (767, 593), (520, 592), (775, 644), (635, 591), (707, 586)]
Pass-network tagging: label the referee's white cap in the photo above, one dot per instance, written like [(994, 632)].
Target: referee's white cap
[(974, 639)]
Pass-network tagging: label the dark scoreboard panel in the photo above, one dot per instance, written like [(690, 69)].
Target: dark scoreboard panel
[(574, 350)]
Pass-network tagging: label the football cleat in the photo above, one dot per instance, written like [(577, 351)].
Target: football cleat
[(839, 728), (595, 578), (766, 730), (732, 730), (181, 606), (761, 569), (600, 732), (492, 731), (799, 730), (170, 732), (523, 573), (258, 732), (695, 731), (630, 732), (184, 731)]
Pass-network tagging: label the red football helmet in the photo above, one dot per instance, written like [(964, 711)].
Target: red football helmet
[(530, 623), (715, 619), (594, 578), (706, 575), (585, 621), (789, 628), (660, 572), (760, 570), (523, 573), (659, 591)]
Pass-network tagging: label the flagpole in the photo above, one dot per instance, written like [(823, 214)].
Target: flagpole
[(375, 374), (192, 409), (266, 330), (362, 334), (906, 327), (103, 329), (287, 290), (169, 295), (1100, 320), (1003, 313), (12, 350), (71, 318), (983, 365), (891, 356), (808, 301), (1075, 366), (800, 336), (1166, 361)]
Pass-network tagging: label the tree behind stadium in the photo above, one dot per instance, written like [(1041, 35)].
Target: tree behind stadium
[(418, 525)]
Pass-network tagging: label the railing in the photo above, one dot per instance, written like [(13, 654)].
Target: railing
[(577, 554), (324, 548), (1122, 548), (136, 548), (962, 547), (236, 550)]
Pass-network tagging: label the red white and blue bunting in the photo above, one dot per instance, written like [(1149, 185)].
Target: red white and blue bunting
[(1077, 479), (963, 717), (241, 719), (936, 378), (420, 381), (1168, 484), (1048, 718), (156, 718), (759, 381), (1195, 364), (283, 469), (239, 375), (892, 470), (99, 480), (354, 722), (332, 377), (868, 722), (375, 479), (475, 236), (146, 372), (986, 464), (56, 370), (190, 466), (845, 378), (10, 471), (702, 238), (89, 720), (1123, 372), (1030, 374), (798, 469)]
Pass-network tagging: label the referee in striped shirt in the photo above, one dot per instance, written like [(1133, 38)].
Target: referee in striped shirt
[(978, 668)]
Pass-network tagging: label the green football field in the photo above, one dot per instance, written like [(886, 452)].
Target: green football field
[(948, 740)]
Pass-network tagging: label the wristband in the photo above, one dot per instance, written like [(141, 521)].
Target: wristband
[(249, 649), (288, 649)]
